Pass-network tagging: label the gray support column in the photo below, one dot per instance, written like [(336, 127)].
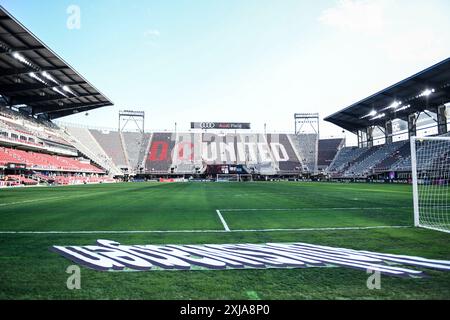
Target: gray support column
[(388, 130), (358, 134), (369, 136), (412, 125), (442, 120)]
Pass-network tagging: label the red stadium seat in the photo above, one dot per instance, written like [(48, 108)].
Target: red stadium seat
[(35, 160)]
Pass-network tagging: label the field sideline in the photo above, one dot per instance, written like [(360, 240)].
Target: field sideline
[(356, 216)]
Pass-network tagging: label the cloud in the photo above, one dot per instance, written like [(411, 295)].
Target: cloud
[(402, 31), (152, 33), (420, 45), (362, 16)]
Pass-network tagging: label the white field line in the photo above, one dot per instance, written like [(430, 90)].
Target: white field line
[(225, 225), (29, 201), (204, 231), (48, 199), (309, 209)]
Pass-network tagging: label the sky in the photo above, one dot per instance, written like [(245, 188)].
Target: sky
[(257, 61)]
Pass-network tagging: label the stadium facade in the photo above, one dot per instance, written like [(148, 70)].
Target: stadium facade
[(37, 87)]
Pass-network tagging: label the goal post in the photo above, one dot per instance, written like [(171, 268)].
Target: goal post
[(234, 177), (430, 166)]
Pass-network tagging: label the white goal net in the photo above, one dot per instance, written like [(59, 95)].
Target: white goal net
[(430, 162), (234, 178)]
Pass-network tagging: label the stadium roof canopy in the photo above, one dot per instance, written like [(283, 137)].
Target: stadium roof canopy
[(33, 77), (425, 90)]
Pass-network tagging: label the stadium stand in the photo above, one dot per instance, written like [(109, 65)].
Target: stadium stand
[(159, 158), (72, 179), (187, 153), (41, 161), (18, 180), (424, 157), (256, 154), (293, 165), (111, 143), (83, 140), (20, 129), (13, 139), (132, 142), (343, 158), (5, 157), (368, 160), (306, 146), (38, 145), (262, 154), (42, 145), (328, 149), (353, 162), (144, 151), (396, 157)]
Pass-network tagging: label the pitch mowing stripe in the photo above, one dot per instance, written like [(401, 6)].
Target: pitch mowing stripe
[(225, 225), (375, 190), (205, 231), (66, 197)]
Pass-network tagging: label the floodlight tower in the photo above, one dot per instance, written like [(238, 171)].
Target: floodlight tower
[(307, 123), (129, 118), (134, 117), (307, 129)]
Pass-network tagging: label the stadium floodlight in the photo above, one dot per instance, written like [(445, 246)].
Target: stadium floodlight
[(34, 76), (403, 108), (430, 167), (67, 89), (49, 77), (427, 92), (382, 115), (372, 113), (21, 58), (393, 105), (60, 92)]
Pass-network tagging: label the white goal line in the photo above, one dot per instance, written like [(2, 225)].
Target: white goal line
[(311, 209), (202, 231)]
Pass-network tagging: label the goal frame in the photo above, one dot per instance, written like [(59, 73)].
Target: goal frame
[(238, 176), (415, 180)]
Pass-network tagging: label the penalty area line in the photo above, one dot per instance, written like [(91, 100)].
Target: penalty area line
[(204, 231)]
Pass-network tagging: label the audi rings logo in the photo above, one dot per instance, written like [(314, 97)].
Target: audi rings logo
[(207, 125)]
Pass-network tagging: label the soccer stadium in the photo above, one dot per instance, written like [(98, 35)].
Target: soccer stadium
[(218, 211)]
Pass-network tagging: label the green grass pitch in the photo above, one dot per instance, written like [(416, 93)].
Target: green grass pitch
[(315, 213)]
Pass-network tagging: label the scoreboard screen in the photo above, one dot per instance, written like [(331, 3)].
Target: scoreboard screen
[(225, 169), (220, 125), (18, 166)]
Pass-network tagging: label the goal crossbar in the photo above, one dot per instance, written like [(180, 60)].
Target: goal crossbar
[(234, 177)]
